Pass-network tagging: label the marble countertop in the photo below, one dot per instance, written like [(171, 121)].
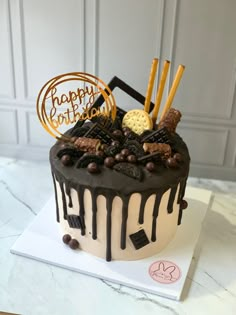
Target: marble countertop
[(32, 288)]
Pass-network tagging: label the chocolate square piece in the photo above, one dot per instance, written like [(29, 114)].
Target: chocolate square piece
[(161, 136), (74, 221), (97, 131), (139, 239)]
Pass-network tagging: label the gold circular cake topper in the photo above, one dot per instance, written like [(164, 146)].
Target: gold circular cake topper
[(69, 98)]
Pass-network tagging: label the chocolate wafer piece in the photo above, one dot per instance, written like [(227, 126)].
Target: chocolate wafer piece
[(99, 132), (170, 120), (161, 135), (162, 148), (87, 144)]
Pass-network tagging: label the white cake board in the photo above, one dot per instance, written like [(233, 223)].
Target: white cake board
[(45, 232)]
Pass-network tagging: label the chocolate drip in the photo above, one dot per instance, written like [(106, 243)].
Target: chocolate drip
[(171, 199), (180, 216), (181, 190), (70, 205), (63, 200), (155, 215), (80, 192), (109, 209), (55, 189), (124, 222), (142, 207), (94, 210)]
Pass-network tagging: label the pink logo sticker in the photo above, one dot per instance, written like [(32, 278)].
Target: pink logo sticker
[(164, 271)]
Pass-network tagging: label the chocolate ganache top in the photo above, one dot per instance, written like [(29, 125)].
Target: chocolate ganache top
[(115, 158)]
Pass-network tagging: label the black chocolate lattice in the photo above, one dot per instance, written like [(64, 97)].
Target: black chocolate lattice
[(139, 239)]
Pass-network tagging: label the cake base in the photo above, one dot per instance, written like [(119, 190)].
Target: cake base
[(163, 274)]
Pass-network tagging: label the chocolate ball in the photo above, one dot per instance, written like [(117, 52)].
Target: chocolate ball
[(103, 146), (115, 142), (171, 163), (131, 158), (119, 157), (125, 152), (66, 238), (100, 153), (66, 160), (178, 157), (109, 162), (117, 133), (74, 244), (93, 167), (150, 166), (183, 204), (126, 129), (63, 145), (127, 133)]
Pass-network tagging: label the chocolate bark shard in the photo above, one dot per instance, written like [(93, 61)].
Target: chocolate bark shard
[(139, 239), (97, 131), (161, 135), (130, 170)]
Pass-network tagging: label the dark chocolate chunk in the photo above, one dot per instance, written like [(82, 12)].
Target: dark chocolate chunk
[(130, 135), (97, 131), (74, 244), (89, 158), (139, 239), (161, 136), (74, 221), (154, 157), (134, 147), (130, 170)]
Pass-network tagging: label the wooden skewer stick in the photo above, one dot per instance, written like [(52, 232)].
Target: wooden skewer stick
[(150, 85), (160, 91), (173, 90)]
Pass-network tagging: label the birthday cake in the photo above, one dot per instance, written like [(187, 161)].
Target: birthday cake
[(120, 183)]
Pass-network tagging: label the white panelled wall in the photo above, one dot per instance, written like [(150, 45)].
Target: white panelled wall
[(41, 39)]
